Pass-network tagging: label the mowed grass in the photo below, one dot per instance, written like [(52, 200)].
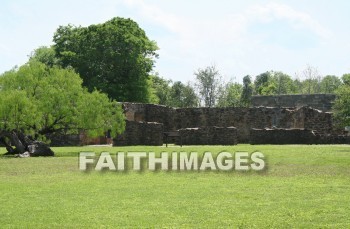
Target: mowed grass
[(303, 186)]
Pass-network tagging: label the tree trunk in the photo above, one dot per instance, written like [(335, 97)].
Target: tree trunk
[(24, 145)]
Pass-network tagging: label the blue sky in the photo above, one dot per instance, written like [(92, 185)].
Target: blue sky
[(240, 37)]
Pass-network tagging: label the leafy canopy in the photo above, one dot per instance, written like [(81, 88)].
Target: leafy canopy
[(115, 57), (41, 100), (230, 95), (209, 84), (342, 103), (182, 95)]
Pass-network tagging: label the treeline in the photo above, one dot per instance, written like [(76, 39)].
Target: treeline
[(210, 90), (115, 60)]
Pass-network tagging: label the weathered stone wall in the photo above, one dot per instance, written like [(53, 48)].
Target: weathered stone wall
[(333, 139), (282, 136), (208, 136), (322, 102), (244, 119), (141, 133), (316, 120), (295, 136), (150, 113)]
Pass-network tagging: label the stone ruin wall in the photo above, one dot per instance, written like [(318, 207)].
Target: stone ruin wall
[(209, 135), (244, 119), (147, 122), (294, 136), (141, 133), (323, 102)]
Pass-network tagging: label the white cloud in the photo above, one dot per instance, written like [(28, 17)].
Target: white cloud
[(297, 19), (220, 33), (157, 15), (193, 33)]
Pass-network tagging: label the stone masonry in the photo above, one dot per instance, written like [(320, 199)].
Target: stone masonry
[(211, 135), (146, 124), (244, 119), (282, 136), (294, 136), (141, 133), (323, 102)]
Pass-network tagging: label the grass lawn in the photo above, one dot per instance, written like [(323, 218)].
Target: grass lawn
[(304, 186)]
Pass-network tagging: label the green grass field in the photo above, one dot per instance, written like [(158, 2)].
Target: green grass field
[(303, 186)]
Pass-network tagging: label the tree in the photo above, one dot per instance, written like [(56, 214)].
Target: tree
[(261, 82), (312, 79), (285, 84), (346, 79), (190, 98), (247, 91), (115, 57), (329, 84), (208, 82), (342, 104), (231, 95), (182, 95), (45, 55), (161, 90), (38, 100), (274, 83), (298, 84)]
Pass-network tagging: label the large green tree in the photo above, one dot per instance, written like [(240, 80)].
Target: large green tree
[(39, 100), (115, 57)]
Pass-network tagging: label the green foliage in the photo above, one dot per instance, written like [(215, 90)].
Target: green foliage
[(182, 95), (329, 84), (261, 82), (17, 111), (45, 55), (39, 99), (310, 86), (305, 186), (298, 84), (161, 90), (115, 57), (346, 79), (208, 81), (312, 80), (174, 94), (284, 84), (342, 105), (247, 91), (274, 83), (278, 83), (230, 96)]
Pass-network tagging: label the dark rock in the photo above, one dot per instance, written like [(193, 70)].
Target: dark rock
[(38, 148), (23, 145)]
